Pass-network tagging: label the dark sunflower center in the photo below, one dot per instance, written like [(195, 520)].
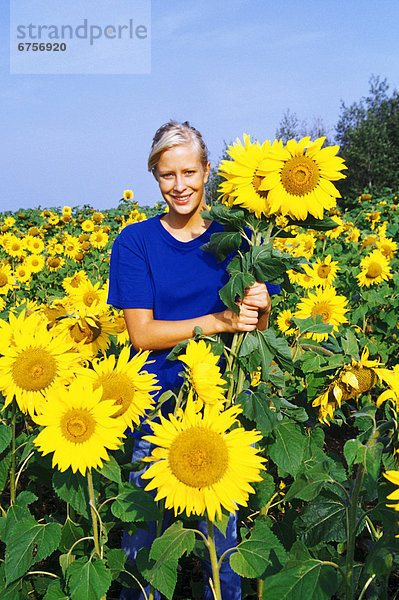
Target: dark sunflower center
[(34, 369), (374, 270), (77, 425), (3, 279), (198, 457), (323, 309), (323, 271), (300, 175)]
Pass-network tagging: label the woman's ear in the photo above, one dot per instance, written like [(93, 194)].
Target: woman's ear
[(207, 171)]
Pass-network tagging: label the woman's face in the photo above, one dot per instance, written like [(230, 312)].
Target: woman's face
[(181, 177)]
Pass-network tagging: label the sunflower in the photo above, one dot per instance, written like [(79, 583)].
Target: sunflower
[(78, 428), (54, 263), (393, 477), (323, 271), (298, 177), (387, 247), (15, 247), (326, 303), (391, 377), (72, 283), (89, 298), (88, 225), (128, 194), (34, 363), (6, 279), (284, 322), (369, 240), (199, 466), (89, 333), (34, 262), (353, 380), (126, 384), (304, 244), (122, 334), (353, 235), (375, 268), (98, 239), (242, 180), (71, 245), (22, 273), (34, 244), (336, 231), (203, 374), (67, 210), (305, 280), (373, 217)]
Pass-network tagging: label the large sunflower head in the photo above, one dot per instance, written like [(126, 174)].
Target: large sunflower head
[(375, 269), (35, 362), (126, 383), (6, 279), (203, 374), (199, 466), (78, 427), (327, 304), (89, 333), (298, 177), (242, 180)]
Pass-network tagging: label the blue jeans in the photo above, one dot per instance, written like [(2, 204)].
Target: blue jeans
[(229, 580)]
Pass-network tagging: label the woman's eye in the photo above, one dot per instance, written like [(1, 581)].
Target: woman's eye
[(189, 172)]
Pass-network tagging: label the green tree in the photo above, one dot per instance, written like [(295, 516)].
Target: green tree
[(290, 127), (214, 180), (368, 133)]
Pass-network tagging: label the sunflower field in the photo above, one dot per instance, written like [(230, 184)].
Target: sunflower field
[(294, 428)]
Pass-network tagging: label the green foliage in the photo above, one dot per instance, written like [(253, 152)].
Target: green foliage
[(368, 132)]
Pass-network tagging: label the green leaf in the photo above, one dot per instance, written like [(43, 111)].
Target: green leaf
[(28, 543), (25, 498), (354, 452), (134, 504), (249, 344), (111, 470), (278, 347), (116, 558), (235, 287), (350, 345), (5, 436), (5, 462), (312, 223), (70, 534), (232, 217), (308, 484), (15, 514), (221, 244), (264, 491), (252, 556), (312, 325), (55, 592), (72, 488), (166, 552), (300, 581), (288, 448), (256, 407), (88, 579), (266, 267), (324, 520), (221, 524)]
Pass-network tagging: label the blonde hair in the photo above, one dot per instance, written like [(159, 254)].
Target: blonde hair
[(173, 134)]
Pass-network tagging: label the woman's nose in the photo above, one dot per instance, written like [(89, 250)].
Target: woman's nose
[(179, 183)]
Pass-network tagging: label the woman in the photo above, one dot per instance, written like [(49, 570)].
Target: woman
[(167, 286)]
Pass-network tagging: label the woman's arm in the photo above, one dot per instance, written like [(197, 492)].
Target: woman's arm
[(148, 333)]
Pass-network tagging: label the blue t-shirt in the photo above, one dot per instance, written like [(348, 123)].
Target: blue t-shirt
[(149, 268)]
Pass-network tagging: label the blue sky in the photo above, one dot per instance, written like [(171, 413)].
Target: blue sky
[(227, 67)]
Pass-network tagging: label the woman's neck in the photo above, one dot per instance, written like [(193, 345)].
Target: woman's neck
[(185, 227)]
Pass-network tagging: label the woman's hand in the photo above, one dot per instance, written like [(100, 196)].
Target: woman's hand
[(257, 296), (254, 310)]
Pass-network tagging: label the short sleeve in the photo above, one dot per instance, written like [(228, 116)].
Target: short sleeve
[(130, 283)]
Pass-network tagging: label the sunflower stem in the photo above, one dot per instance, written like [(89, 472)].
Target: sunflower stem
[(214, 560), (235, 346), (12, 470), (93, 514), (351, 520)]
